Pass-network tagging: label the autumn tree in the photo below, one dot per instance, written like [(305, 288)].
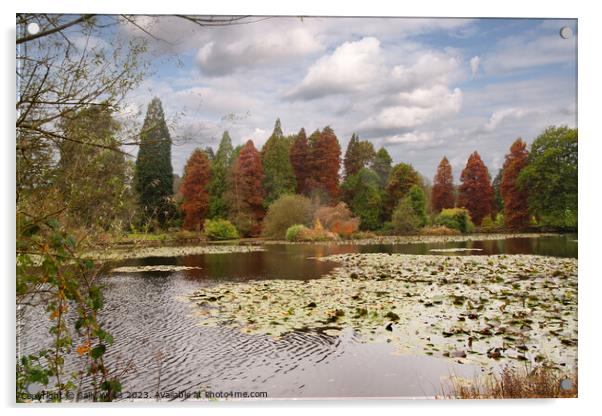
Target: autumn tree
[(516, 209), (443, 187), (195, 190), (402, 177), (551, 177), (154, 172), (359, 154), (279, 176), (476, 192), (245, 193), (299, 157), (220, 166), (325, 163), (381, 165)]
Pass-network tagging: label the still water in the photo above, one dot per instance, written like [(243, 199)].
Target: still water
[(157, 338)]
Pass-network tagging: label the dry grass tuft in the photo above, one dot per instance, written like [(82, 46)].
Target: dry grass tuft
[(541, 382)]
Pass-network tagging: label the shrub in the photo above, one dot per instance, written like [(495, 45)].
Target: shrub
[(292, 233), (489, 226), (362, 235), (286, 211), (439, 230), (456, 218), (337, 219), (220, 230), (404, 219), (300, 232)]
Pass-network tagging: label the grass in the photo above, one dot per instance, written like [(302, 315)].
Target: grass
[(539, 383)]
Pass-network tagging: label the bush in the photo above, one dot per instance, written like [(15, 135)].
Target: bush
[(362, 235), (220, 230), (300, 232), (337, 219), (489, 226), (439, 230), (456, 218), (286, 211), (292, 233), (404, 219)]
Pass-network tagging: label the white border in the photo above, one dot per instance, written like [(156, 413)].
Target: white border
[(589, 189)]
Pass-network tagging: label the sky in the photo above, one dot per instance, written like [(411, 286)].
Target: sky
[(422, 88)]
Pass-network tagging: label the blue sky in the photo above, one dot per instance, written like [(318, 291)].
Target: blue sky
[(422, 88)]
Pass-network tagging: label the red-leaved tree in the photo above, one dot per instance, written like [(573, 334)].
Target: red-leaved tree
[(246, 191), (442, 194), (516, 209), (299, 157), (194, 189), (325, 163), (476, 192)]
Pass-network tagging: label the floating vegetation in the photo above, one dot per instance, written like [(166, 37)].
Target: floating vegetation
[(453, 250), (172, 251), (158, 268), (420, 239), (483, 310)]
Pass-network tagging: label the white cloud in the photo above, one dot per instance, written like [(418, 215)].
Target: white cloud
[(411, 137), (501, 115), (353, 66), (475, 61)]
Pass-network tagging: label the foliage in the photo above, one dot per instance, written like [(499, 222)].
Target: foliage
[(279, 177), (284, 212), (488, 225), (338, 219), (292, 232), (97, 197), (300, 158), (194, 189), (299, 232), (382, 166), (516, 209), (47, 256), (325, 163), (220, 167), (476, 192), (443, 187), (404, 219), (359, 154), (498, 201), (551, 177), (361, 191), (418, 202), (154, 173), (219, 229), (439, 230), (245, 191), (401, 179), (456, 218)]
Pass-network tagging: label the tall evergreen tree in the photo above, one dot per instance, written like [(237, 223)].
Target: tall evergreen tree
[(476, 192), (401, 179), (498, 201), (417, 199), (299, 157), (245, 193), (443, 187), (154, 172), (221, 165), (382, 166), (279, 177), (194, 189), (516, 208), (359, 154), (325, 162)]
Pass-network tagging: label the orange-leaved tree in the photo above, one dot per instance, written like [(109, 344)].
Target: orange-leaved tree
[(516, 209), (195, 190), (442, 194), (325, 163), (299, 157), (476, 192)]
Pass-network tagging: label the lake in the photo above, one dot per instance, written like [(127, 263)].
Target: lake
[(158, 339)]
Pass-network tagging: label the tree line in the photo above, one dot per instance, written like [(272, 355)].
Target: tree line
[(536, 187)]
